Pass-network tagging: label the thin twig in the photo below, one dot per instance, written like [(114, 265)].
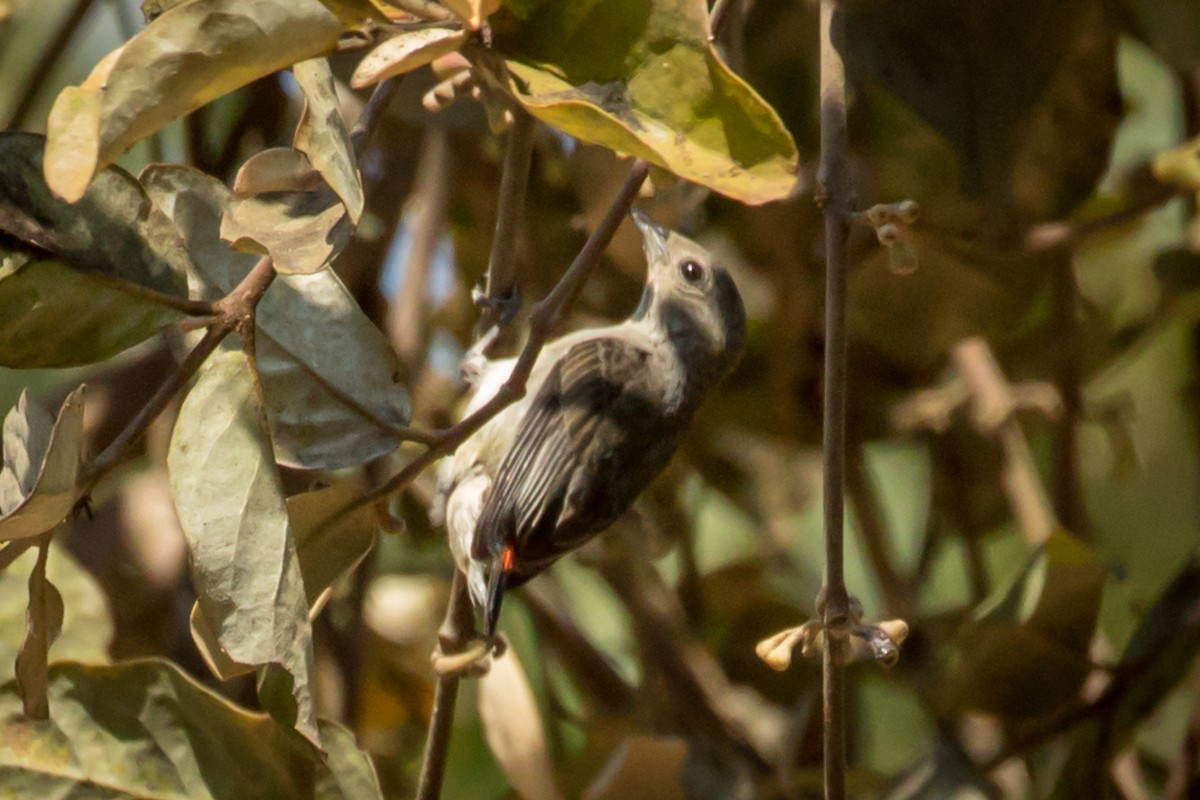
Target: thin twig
[(1053, 235), (834, 603), (502, 290), (455, 628), (55, 47), (193, 308), (236, 313), (546, 315)]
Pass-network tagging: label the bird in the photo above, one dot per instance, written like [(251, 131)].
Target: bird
[(604, 411)]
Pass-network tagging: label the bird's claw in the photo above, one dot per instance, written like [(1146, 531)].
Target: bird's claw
[(472, 661)]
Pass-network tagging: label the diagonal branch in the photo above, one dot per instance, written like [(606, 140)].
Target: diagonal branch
[(546, 315)]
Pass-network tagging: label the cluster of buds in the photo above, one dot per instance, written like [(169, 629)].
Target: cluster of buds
[(893, 223), (880, 643)]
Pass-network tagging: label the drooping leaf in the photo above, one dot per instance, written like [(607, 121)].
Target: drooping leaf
[(1027, 653), (145, 729), (331, 380), (44, 621), (229, 497), (405, 52), (323, 137), (642, 78), (512, 725), (328, 544), (42, 457), (52, 315), (188, 56), (87, 628), (113, 230)]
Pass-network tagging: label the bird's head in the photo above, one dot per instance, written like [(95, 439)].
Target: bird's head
[(692, 298)]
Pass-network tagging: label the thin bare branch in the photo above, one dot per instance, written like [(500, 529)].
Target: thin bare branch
[(502, 289), (834, 602)]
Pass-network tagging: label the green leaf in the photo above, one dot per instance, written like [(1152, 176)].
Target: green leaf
[(1027, 652), (323, 137), (188, 56), (42, 456), (54, 316), (328, 544), (642, 78), (44, 621), (330, 377), (113, 230), (145, 729), (87, 628), (229, 497)]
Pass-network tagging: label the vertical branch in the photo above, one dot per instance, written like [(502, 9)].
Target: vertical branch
[(1067, 492), (502, 287), (457, 626), (833, 603)]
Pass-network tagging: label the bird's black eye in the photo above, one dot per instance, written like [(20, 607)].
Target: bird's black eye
[(691, 271)]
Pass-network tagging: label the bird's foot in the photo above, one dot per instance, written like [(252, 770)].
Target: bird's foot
[(472, 660)]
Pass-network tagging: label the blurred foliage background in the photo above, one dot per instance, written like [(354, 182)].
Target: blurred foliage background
[(1058, 223)]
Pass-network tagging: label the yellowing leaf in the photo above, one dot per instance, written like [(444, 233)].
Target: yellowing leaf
[(405, 52), (38, 482), (647, 82), (188, 56)]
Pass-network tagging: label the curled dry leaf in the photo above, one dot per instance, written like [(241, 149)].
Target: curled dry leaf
[(44, 621), (512, 725), (187, 56), (278, 169), (322, 135), (405, 52), (42, 457)]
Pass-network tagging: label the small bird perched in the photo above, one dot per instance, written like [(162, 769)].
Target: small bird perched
[(603, 414)]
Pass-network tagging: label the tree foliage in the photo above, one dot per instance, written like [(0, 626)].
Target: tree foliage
[(252, 230)]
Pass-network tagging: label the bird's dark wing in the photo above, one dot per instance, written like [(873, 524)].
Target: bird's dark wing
[(595, 434)]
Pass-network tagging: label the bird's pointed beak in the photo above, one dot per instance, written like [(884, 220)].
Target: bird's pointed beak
[(654, 236)]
